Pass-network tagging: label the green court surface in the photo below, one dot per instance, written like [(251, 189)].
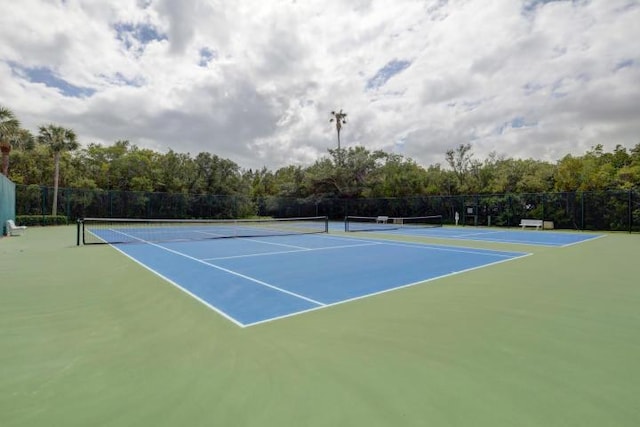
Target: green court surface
[(90, 338)]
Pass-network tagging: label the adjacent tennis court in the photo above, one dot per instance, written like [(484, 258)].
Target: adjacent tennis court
[(431, 226), (285, 268)]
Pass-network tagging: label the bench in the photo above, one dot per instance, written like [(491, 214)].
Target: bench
[(13, 229), (537, 223), (382, 219)]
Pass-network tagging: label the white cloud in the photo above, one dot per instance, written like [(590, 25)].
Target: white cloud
[(522, 78)]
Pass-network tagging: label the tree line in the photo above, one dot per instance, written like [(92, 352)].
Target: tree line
[(54, 157)]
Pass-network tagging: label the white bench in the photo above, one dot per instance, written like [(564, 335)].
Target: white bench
[(537, 223), (13, 229), (382, 219)]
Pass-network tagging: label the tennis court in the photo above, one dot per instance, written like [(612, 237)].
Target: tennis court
[(257, 279), (89, 337), (496, 235)]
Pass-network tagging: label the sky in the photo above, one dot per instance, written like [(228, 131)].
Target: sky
[(255, 81)]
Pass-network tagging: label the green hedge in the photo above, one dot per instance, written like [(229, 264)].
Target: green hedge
[(41, 220)]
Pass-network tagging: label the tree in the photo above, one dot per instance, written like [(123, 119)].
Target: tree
[(360, 169), (399, 177), (520, 176), (462, 163), (289, 181), (323, 180), (9, 126), (22, 140), (460, 159), (215, 175), (263, 183), (58, 140), (176, 172), (347, 174), (341, 119), (635, 155)]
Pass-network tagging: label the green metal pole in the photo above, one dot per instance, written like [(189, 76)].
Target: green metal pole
[(43, 191), (476, 202), (630, 210), (582, 210), (68, 193), (464, 211)]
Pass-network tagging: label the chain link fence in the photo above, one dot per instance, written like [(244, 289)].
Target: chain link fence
[(605, 210)]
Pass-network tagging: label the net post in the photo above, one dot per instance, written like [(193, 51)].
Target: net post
[(78, 221)]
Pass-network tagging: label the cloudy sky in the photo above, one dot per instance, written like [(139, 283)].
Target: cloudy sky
[(255, 81)]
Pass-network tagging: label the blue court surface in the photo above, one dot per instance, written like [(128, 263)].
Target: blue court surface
[(525, 237), (256, 280)]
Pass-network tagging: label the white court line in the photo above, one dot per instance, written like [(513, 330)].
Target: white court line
[(320, 305), (494, 240), (384, 291), (445, 237), (487, 252), (208, 233), (518, 242), (461, 249), (582, 241), (510, 241), (291, 252), (226, 270), (462, 236), (214, 308), (254, 255), (277, 244)]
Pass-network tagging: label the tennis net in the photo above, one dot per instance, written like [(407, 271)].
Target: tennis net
[(117, 230), (382, 223)]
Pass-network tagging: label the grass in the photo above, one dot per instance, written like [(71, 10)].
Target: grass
[(88, 337)]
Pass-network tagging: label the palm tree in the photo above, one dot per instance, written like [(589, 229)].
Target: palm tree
[(9, 126), (58, 139), (23, 140), (341, 119)]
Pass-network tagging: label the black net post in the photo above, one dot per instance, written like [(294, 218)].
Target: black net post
[(78, 231)]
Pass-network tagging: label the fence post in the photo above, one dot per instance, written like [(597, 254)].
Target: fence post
[(582, 210), (43, 207), (464, 211), (476, 202), (630, 210)]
